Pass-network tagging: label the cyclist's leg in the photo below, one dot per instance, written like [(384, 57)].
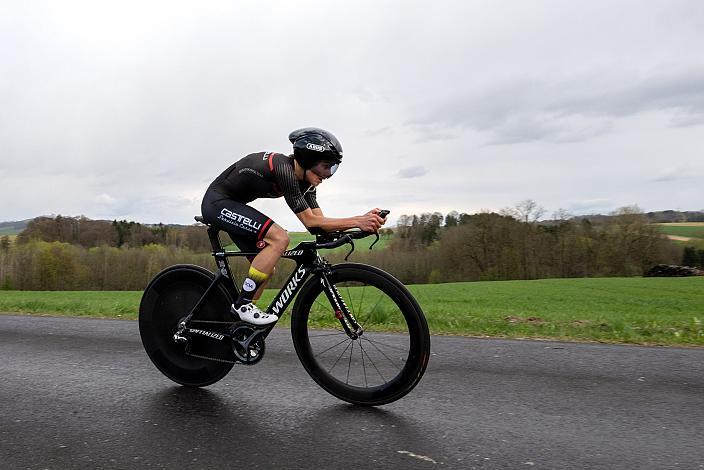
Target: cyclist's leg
[(276, 241), (260, 289), (250, 230)]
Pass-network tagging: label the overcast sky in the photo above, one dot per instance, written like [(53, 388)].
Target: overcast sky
[(129, 109)]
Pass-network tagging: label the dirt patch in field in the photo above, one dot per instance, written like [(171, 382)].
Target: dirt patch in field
[(588, 323), (529, 320), (679, 239)]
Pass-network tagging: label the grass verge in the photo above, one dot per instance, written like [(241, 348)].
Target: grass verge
[(664, 311)]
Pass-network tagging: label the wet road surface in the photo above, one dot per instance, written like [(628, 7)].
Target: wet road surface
[(82, 394)]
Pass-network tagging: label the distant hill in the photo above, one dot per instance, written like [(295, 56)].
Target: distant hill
[(658, 217), (13, 228), (675, 216)]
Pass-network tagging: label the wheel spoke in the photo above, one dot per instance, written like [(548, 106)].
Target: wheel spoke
[(339, 357), (339, 332), (349, 365), (383, 354), (361, 302), (381, 297), (323, 308), (331, 347), (373, 363), (398, 348)]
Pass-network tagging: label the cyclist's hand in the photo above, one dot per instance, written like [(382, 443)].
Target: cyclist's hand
[(370, 222), (382, 213)]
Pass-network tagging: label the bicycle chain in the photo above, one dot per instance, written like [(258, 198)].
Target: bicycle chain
[(217, 359)]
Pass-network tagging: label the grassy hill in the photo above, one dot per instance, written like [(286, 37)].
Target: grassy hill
[(12, 228), (683, 230)]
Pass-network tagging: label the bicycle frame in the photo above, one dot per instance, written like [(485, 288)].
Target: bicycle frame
[(307, 260)]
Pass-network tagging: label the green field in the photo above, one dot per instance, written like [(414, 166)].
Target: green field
[(690, 230), (667, 311)]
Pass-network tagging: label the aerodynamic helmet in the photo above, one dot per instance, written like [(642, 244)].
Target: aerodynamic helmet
[(312, 145)]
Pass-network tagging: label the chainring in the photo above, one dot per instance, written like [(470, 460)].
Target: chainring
[(247, 344)]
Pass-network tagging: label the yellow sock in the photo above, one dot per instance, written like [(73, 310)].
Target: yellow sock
[(254, 279)]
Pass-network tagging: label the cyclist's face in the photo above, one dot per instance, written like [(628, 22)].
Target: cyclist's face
[(325, 169)]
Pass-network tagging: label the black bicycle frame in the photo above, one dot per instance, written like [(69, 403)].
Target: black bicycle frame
[(305, 256)]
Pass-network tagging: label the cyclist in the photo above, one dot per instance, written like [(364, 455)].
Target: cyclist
[(317, 154)]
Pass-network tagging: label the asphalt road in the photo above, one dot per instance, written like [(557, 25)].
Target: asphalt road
[(83, 394)]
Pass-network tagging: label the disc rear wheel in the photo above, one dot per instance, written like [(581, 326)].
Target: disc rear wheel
[(168, 299)]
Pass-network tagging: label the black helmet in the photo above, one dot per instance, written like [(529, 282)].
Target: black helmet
[(312, 145)]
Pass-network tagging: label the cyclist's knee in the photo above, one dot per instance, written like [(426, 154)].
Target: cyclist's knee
[(278, 238)]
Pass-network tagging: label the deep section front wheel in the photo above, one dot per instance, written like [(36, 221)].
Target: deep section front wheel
[(169, 297), (381, 365)]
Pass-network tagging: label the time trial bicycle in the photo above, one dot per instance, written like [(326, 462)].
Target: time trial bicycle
[(357, 330)]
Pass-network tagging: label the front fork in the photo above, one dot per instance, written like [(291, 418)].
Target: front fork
[(342, 313)]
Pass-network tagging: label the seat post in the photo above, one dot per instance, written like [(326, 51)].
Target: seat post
[(220, 258), (214, 239)]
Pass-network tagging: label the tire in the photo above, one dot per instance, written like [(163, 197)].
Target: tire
[(168, 298), (380, 366)]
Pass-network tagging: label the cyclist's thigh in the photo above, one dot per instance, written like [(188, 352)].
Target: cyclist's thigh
[(277, 236)]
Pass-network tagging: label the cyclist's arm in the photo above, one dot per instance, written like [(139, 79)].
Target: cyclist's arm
[(314, 218)]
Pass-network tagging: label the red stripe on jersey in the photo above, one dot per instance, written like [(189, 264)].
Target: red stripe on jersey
[(271, 162), (263, 229)]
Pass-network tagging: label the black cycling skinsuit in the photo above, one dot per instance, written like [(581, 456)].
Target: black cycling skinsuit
[(258, 175)]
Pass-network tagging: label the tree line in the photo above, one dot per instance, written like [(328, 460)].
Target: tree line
[(513, 244), (118, 233), (426, 248)]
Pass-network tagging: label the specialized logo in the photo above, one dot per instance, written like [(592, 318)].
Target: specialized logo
[(316, 147), (209, 334), (290, 289), (249, 285), (293, 253)]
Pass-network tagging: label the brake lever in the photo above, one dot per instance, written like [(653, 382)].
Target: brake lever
[(351, 242), (377, 239)]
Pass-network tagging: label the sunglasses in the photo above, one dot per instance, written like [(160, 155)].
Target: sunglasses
[(325, 169)]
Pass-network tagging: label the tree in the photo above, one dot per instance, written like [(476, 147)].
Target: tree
[(5, 244), (528, 212), (690, 256), (452, 219), (123, 230)]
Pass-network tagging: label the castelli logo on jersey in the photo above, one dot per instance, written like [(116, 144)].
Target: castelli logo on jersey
[(316, 147)]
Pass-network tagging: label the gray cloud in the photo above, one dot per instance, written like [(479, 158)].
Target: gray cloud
[(387, 130), (413, 172), (590, 206), (685, 172), (570, 110)]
